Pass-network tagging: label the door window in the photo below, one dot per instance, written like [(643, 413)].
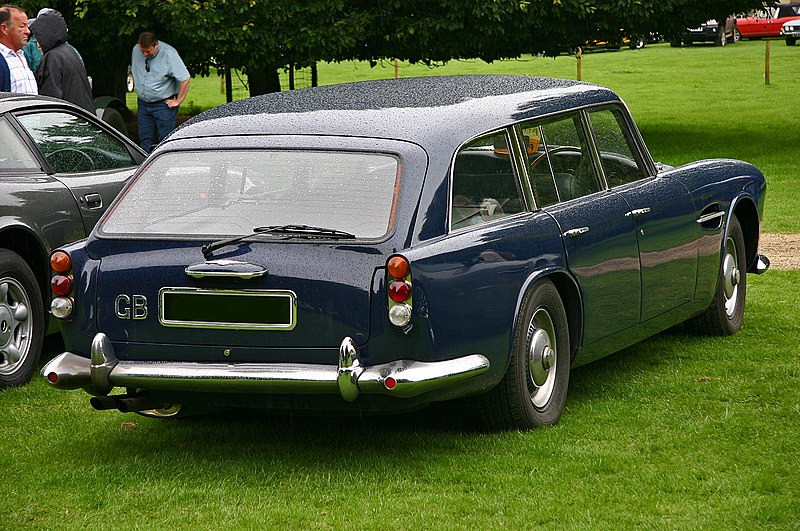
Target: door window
[(560, 164), (72, 144), (617, 157)]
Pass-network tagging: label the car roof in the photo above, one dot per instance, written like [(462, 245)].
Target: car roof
[(10, 101), (423, 110)]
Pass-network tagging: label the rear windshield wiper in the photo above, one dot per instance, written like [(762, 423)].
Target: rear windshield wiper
[(301, 231)]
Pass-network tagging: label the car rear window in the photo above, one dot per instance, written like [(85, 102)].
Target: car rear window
[(201, 193)]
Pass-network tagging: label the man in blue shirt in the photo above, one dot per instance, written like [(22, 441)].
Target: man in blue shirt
[(162, 82)]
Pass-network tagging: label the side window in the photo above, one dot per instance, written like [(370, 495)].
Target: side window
[(14, 154), (485, 186), (560, 163), (616, 153), (72, 144)]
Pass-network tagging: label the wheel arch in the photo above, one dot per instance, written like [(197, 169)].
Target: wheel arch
[(24, 242), (746, 212), (570, 295)]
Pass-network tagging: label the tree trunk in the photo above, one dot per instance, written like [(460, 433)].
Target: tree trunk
[(228, 85), (108, 79), (263, 80)]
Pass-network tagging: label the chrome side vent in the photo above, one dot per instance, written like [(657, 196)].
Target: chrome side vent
[(711, 217)]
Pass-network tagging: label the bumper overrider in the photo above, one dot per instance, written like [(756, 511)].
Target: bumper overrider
[(400, 378)]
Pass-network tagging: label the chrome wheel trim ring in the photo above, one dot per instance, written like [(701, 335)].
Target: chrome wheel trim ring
[(16, 325), (731, 277), (542, 353)]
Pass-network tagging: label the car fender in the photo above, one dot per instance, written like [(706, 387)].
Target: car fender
[(570, 292)]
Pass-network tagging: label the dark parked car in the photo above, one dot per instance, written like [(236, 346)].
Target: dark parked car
[(710, 31), (60, 168), (374, 247)]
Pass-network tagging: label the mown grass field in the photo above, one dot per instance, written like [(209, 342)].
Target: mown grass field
[(678, 432), (675, 433)]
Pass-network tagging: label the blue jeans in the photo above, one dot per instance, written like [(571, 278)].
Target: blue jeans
[(156, 121)]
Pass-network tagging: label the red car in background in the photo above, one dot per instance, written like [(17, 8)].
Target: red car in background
[(768, 22)]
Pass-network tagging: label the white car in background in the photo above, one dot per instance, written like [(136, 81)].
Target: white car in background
[(791, 30)]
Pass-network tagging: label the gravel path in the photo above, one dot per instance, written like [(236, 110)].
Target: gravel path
[(783, 250)]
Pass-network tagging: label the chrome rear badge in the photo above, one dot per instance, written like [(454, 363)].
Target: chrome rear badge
[(130, 307)]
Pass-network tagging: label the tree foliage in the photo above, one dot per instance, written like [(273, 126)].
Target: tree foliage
[(264, 36)]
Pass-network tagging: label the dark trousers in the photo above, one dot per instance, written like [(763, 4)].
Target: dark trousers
[(156, 121)]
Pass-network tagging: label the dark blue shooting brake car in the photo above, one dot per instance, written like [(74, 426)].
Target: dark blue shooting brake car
[(377, 246)]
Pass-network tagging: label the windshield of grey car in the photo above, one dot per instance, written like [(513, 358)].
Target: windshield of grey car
[(227, 193)]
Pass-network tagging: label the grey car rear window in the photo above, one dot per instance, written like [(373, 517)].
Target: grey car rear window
[(230, 192)]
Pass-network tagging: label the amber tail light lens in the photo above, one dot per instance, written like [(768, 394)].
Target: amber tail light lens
[(60, 262)]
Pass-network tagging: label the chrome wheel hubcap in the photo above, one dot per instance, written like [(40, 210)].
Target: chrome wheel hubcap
[(731, 277), (16, 326), (542, 354)]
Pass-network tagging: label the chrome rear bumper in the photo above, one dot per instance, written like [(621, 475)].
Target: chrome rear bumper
[(401, 378)]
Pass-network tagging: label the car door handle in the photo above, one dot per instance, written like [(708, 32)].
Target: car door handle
[(93, 201), (638, 212), (574, 233)]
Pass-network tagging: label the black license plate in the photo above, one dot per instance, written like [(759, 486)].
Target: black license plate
[(241, 310)]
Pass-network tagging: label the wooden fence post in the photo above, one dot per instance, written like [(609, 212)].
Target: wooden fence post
[(579, 57), (766, 64)]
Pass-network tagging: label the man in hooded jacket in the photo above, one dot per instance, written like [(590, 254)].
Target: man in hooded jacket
[(61, 73)]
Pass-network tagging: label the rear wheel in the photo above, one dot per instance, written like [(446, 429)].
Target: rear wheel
[(725, 314), (22, 320), (534, 389)]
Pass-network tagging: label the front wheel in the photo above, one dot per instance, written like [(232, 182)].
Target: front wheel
[(22, 320), (534, 389), (725, 314), (790, 41)]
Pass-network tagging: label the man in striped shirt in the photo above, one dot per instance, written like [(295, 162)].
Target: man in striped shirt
[(15, 76)]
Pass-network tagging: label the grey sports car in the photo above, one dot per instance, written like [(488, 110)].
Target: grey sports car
[(60, 167)]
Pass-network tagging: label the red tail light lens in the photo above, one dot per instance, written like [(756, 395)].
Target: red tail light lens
[(399, 291), (60, 262), (61, 285)]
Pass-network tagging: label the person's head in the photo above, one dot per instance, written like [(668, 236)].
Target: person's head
[(148, 43), (14, 30)]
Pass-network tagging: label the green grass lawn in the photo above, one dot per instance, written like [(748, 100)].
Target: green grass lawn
[(690, 103), (675, 433)]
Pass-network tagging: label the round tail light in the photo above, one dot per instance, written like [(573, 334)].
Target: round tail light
[(398, 266), (61, 284), (60, 262)]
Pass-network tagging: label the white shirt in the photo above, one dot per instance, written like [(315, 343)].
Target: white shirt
[(22, 79)]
